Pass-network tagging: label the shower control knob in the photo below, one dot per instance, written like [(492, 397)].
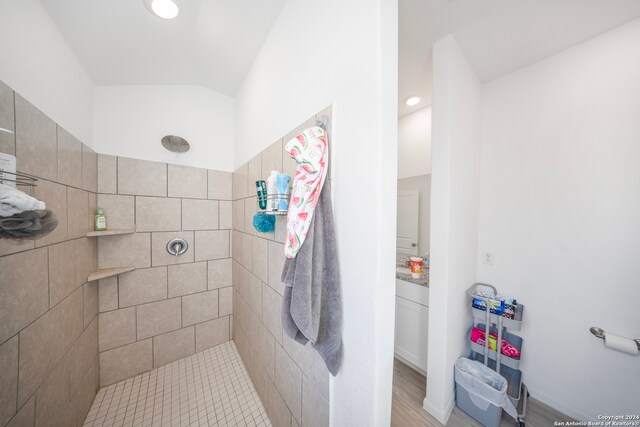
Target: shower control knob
[(177, 247)]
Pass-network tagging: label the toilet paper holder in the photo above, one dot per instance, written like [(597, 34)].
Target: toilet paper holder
[(599, 333)]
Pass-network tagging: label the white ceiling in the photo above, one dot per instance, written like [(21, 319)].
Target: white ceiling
[(212, 43), (497, 36)]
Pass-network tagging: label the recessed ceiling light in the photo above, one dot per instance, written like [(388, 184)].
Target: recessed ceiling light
[(166, 9), (412, 100)]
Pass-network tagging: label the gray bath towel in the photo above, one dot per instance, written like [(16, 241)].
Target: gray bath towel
[(311, 308)]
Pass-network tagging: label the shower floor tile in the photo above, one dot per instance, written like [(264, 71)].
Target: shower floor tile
[(210, 388)]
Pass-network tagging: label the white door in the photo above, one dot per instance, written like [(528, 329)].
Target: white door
[(407, 229)]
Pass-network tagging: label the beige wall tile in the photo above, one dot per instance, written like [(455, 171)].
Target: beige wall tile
[(157, 214), (276, 264), (199, 214), (238, 215), (212, 333), (24, 293), (280, 231), (187, 279), (160, 256), (78, 212), (272, 159), (173, 346), (220, 185), (55, 197), (9, 246), (117, 328), (89, 169), (71, 318), (301, 354), (119, 210), (315, 409), (82, 354), (70, 414), (7, 120), (40, 349), (142, 286), (289, 382), (247, 251), (107, 174), (53, 395), (225, 301), (26, 415), (254, 173), (86, 258), (272, 311), (108, 294), (158, 317), (125, 362), (321, 375), (124, 250), (236, 247), (250, 209), (36, 146), (226, 215), (69, 159), (220, 273), (253, 293), (93, 208), (9, 378), (260, 258), (90, 302), (62, 271), (197, 308), (86, 392), (264, 345), (277, 410), (187, 181), (141, 177), (211, 245), (239, 182)]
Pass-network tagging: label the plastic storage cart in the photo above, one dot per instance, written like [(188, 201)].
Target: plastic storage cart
[(508, 367)]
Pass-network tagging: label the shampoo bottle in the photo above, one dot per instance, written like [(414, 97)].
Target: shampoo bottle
[(272, 191), (283, 186), (101, 220), (261, 189)]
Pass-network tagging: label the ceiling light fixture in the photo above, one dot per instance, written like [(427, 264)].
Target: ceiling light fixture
[(412, 100), (166, 9)]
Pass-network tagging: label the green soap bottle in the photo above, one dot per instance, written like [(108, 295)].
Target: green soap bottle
[(101, 220)]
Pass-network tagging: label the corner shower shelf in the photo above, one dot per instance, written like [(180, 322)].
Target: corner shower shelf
[(103, 273), (109, 233)]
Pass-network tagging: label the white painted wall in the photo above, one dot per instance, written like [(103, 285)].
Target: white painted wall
[(344, 54), (130, 121), (421, 184), (454, 217), (36, 62), (560, 208), (414, 143)]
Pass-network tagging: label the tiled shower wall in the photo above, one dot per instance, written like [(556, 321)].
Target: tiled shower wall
[(169, 307), (291, 379), (48, 311)]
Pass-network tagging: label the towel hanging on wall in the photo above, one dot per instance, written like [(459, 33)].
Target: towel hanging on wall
[(312, 307), (310, 150)]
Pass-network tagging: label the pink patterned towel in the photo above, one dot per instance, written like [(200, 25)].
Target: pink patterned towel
[(310, 150)]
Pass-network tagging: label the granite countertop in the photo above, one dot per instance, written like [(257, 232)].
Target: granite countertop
[(422, 281)]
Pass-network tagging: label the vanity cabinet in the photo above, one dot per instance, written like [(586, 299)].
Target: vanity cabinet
[(412, 324)]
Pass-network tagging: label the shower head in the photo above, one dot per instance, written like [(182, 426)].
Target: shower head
[(175, 144)]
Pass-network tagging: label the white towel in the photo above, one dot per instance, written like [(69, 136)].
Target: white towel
[(13, 201)]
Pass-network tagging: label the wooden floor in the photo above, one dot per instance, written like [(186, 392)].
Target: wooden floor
[(409, 391)]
